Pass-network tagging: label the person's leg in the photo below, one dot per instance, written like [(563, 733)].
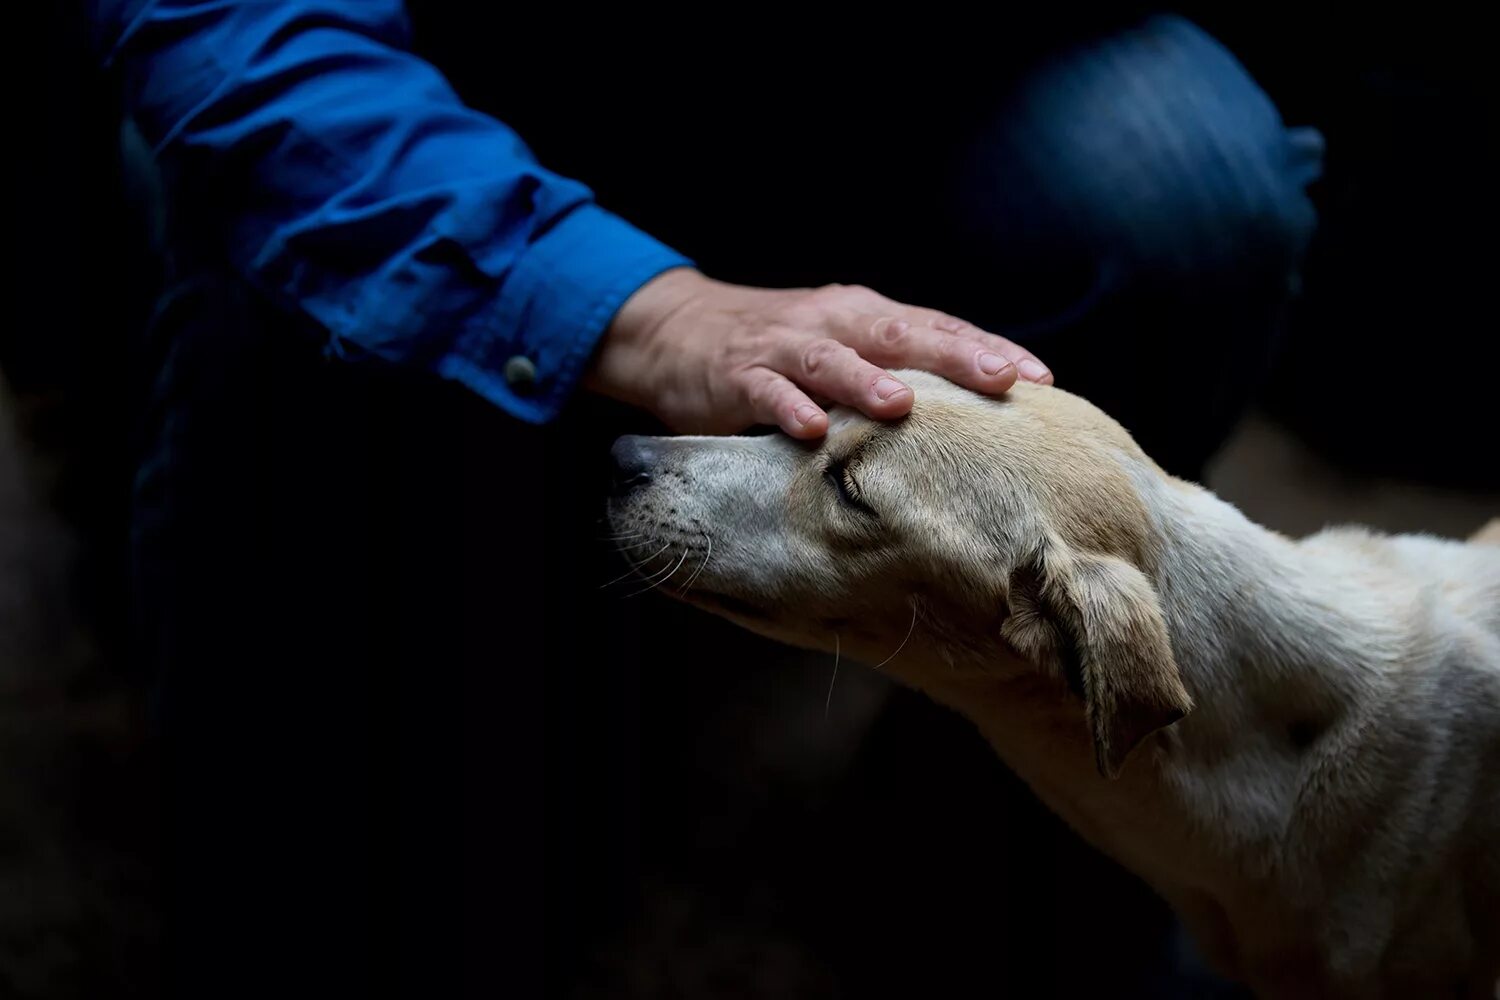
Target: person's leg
[(336, 577), (398, 710), (1135, 211), (262, 875)]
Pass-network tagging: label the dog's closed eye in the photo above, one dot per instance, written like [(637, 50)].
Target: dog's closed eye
[(838, 475)]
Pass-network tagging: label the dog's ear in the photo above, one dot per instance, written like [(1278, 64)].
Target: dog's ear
[(1096, 621)]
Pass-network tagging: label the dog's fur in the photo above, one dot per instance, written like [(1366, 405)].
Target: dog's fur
[(1296, 743)]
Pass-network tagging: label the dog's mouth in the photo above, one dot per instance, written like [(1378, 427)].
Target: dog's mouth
[(676, 556), (714, 601), (667, 558)]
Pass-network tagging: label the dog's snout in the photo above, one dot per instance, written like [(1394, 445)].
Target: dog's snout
[(635, 461)]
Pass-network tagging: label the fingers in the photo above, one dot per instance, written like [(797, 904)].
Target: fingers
[(773, 399), (898, 343), (837, 344), (880, 319), (1028, 366), (828, 368)]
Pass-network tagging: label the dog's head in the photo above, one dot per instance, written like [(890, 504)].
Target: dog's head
[(997, 537)]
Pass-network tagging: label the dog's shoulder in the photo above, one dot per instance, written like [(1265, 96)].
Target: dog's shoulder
[(1487, 535), (1416, 557), (1443, 584)]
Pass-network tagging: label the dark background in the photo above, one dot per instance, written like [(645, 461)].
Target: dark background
[(666, 810)]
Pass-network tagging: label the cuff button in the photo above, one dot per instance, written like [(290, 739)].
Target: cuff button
[(520, 375)]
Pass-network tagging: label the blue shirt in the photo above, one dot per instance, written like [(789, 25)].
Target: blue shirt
[(342, 175)]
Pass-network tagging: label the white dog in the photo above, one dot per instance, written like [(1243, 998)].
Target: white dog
[(1296, 743)]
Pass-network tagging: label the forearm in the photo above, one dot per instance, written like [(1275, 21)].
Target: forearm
[(341, 175)]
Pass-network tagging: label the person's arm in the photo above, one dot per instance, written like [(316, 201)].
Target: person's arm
[(343, 176)]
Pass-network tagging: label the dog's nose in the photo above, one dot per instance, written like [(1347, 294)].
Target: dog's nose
[(635, 459)]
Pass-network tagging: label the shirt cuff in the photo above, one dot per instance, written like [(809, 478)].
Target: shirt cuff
[(528, 353)]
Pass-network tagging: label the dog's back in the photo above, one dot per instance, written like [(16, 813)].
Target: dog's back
[(1434, 748), (1487, 535)]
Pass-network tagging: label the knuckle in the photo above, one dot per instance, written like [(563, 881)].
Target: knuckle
[(949, 324), (758, 391), (957, 352), (743, 351), (892, 333), (821, 354), (832, 296)]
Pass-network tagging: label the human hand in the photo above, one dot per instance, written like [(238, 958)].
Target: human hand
[(713, 358)]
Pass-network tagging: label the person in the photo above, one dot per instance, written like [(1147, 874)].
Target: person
[(326, 539), (474, 261)]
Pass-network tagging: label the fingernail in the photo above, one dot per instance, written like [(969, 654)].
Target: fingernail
[(886, 387), (949, 325), (991, 364), (805, 413), (1033, 371)]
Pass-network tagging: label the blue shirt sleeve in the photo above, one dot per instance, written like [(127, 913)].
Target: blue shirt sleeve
[(342, 174)]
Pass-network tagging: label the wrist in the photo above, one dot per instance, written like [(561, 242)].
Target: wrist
[(651, 305), (626, 358)]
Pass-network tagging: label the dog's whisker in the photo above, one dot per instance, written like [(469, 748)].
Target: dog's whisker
[(637, 545), (909, 630), (706, 557), (670, 573), (828, 701), (635, 567)]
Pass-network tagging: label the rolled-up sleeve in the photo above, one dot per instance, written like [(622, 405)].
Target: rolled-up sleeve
[(342, 175)]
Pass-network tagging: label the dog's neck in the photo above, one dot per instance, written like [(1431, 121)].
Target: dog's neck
[(1277, 646), (1272, 649), (1258, 626)]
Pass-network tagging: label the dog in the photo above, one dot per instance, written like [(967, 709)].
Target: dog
[(1296, 743)]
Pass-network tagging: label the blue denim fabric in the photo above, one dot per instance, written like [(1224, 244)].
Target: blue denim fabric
[(1137, 213), (1153, 149)]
